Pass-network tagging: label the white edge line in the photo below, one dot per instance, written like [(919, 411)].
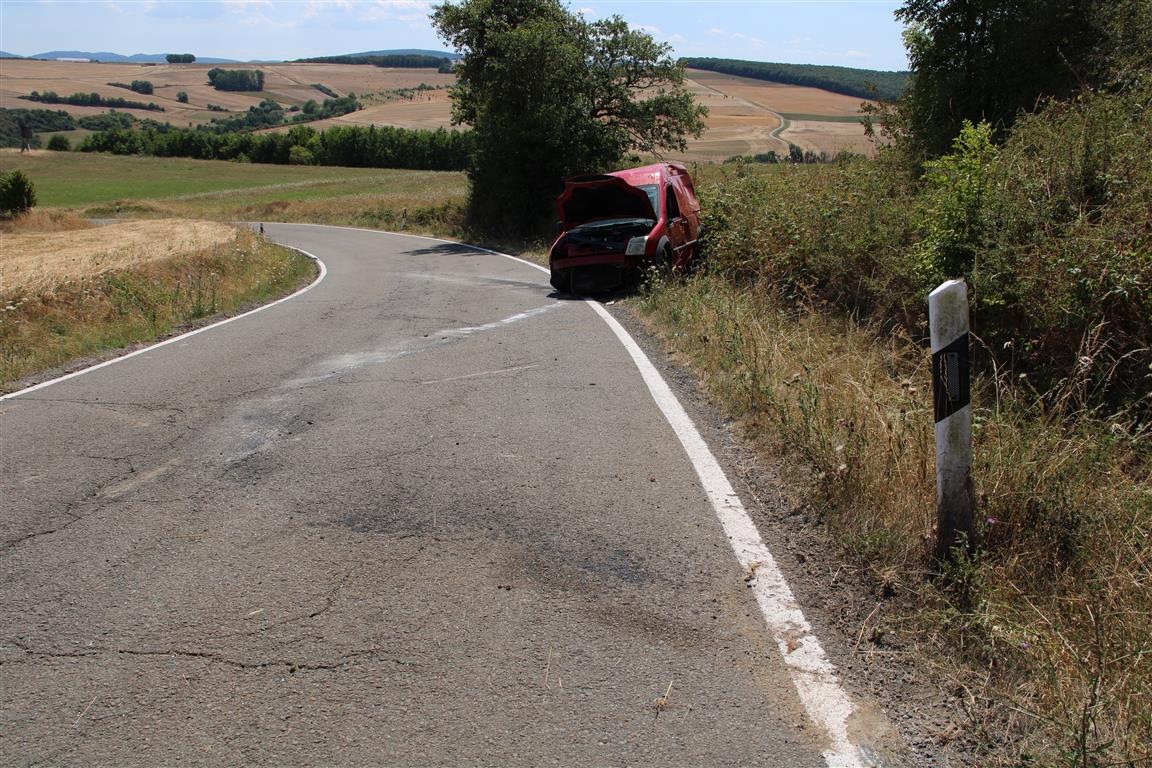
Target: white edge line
[(813, 674), (181, 337)]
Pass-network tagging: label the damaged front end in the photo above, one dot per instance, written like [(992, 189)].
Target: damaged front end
[(600, 256)]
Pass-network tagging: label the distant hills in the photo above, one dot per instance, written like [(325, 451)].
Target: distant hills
[(160, 58), (116, 58)]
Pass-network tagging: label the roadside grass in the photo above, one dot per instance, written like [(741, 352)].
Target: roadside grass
[(1053, 615), (76, 318), (42, 220)]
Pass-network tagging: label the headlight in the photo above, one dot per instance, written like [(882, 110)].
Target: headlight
[(637, 246)]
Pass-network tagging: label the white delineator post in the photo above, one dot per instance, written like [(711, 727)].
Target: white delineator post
[(951, 373)]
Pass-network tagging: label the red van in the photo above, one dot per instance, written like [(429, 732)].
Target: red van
[(616, 225)]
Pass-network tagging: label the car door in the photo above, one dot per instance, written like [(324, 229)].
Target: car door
[(679, 234)]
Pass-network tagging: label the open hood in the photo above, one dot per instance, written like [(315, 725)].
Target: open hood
[(594, 198)]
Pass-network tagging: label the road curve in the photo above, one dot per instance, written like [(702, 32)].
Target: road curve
[(425, 513)]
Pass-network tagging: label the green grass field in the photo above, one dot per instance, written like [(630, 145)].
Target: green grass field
[(208, 189)]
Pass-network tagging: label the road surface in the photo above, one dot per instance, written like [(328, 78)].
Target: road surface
[(425, 513)]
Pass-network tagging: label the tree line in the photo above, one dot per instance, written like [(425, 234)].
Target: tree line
[(398, 61), (91, 100), (863, 83), (351, 146)]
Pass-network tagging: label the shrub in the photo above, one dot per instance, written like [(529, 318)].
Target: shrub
[(182, 97), (59, 143), (16, 193), (301, 156)]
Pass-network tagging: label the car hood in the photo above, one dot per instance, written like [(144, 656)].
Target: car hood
[(595, 198)]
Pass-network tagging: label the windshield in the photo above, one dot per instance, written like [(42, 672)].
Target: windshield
[(653, 196)]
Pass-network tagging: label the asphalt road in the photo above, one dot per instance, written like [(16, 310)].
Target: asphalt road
[(424, 514)]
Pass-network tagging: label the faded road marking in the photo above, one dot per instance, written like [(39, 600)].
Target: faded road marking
[(480, 374), (500, 323)]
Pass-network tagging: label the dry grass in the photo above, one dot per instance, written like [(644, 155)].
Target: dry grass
[(1052, 617), (43, 220), (37, 261), (47, 323)]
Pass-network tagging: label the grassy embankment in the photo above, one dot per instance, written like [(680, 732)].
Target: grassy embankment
[(67, 296), (809, 326), (70, 291)]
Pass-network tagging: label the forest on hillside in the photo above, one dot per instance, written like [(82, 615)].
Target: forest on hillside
[(864, 83)]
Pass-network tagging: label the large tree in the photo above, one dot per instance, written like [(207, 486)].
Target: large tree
[(989, 60), (550, 94)]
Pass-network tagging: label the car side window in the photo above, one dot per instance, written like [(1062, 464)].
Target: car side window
[(671, 207)]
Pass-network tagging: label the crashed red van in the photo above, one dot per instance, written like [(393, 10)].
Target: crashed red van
[(614, 226)]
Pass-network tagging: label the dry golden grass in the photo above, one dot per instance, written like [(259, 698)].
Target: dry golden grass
[(43, 220), (36, 261), (1048, 627), (46, 324)]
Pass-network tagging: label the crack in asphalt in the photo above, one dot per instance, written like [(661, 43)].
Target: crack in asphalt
[(112, 404), (329, 602), (218, 658)]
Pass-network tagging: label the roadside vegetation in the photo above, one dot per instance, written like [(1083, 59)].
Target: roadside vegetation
[(62, 301), (809, 325)]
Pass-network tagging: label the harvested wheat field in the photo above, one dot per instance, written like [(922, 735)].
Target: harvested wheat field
[(37, 261), (287, 84), (745, 115), (819, 137)]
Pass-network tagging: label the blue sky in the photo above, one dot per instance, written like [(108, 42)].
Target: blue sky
[(851, 33)]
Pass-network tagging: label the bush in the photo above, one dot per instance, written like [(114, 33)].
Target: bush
[(301, 156), (59, 143), (236, 79), (182, 97), (16, 193)]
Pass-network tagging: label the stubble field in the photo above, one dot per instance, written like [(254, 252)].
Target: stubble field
[(746, 116)]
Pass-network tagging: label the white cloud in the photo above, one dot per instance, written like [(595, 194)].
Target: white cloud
[(754, 41), (716, 32), (411, 11)]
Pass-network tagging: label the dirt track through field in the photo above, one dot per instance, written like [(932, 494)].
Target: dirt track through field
[(38, 261)]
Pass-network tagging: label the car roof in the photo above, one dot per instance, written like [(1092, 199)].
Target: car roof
[(649, 174), (645, 174)]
